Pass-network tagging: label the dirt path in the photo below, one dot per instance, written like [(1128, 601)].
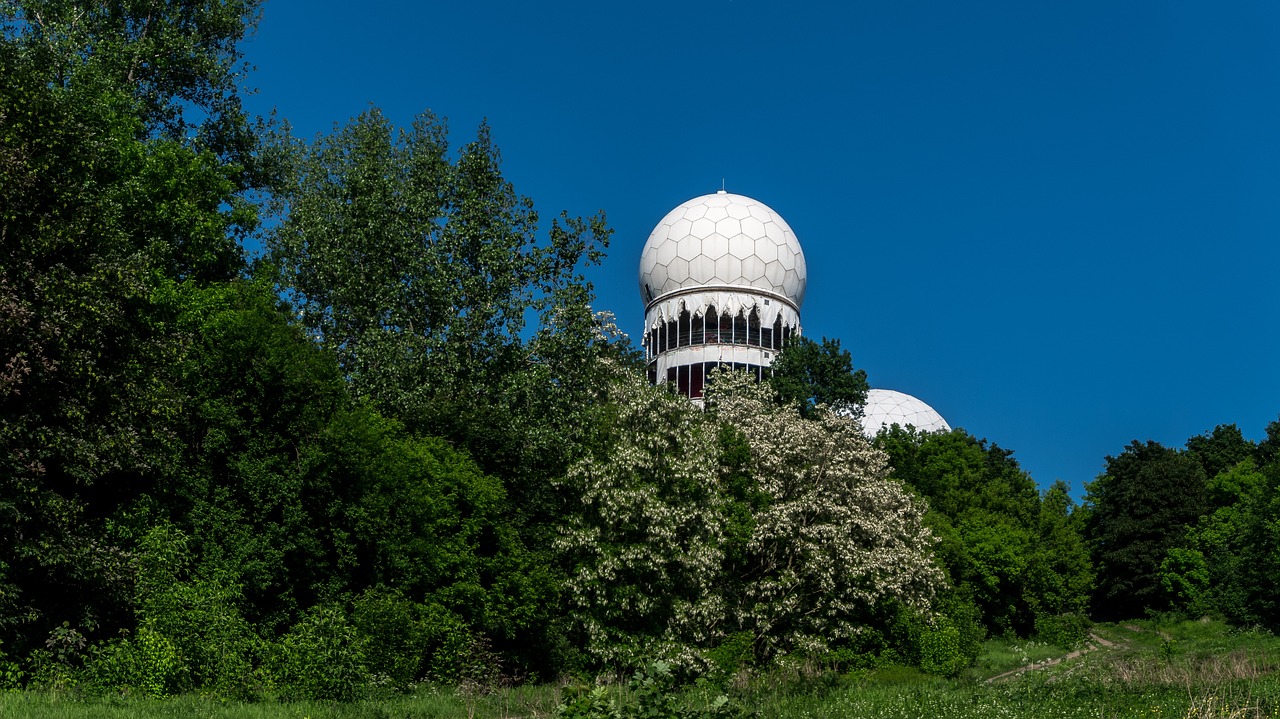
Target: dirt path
[(1096, 642)]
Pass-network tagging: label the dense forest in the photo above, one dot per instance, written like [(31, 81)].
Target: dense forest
[(401, 446)]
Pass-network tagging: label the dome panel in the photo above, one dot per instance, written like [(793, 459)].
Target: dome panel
[(752, 227), (702, 227), (715, 214), (715, 245), (688, 247), (741, 246), (657, 278), (738, 212), (680, 227), (774, 273), (693, 212), (665, 252), (787, 260), (702, 266), (760, 212), (728, 227), (752, 269), (729, 269), (766, 250), (678, 270), (791, 282), (648, 259)]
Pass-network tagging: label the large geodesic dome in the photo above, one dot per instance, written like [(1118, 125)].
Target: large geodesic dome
[(723, 240), (885, 408)]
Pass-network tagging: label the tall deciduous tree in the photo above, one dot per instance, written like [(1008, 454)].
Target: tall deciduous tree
[(420, 270), (1003, 547), (747, 521), (105, 201), (834, 539), (809, 373), (1140, 508)]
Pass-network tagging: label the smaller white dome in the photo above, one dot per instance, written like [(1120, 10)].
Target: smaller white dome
[(886, 407)]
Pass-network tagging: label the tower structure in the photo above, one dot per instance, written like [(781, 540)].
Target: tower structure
[(722, 277)]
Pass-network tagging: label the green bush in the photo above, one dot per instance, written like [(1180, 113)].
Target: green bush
[(1064, 630), (940, 648), (322, 657), (147, 664), (650, 695), (735, 653)]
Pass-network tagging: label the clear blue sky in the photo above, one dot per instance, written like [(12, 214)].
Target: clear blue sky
[(1057, 223)]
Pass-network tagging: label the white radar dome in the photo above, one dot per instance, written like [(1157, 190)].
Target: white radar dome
[(723, 240), (886, 407)]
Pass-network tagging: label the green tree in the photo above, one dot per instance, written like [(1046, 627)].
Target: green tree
[(419, 269), (643, 537), (105, 201), (1016, 557), (1221, 449), (1226, 564), (1059, 575), (1140, 508), (809, 373), (835, 544)]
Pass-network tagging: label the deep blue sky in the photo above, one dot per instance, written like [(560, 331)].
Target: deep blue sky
[(1057, 223)]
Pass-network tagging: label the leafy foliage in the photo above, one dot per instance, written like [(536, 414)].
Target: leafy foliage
[(808, 373), (675, 554), (1140, 508), (1016, 556)]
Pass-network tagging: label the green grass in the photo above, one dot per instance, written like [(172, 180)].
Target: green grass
[(1188, 670)]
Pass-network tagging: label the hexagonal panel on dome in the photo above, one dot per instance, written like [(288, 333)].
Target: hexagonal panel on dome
[(760, 212), (752, 227), (752, 269), (678, 270), (715, 245), (786, 259), (649, 257), (716, 214), (665, 252), (656, 279), (738, 212), (728, 269), (702, 227), (688, 247), (693, 212), (728, 227), (702, 266), (791, 283), (766, 249), (774, 273), (741, 246)]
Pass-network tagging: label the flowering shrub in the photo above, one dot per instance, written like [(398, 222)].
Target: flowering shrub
[(669, 555), (836, 538), (645, 544)]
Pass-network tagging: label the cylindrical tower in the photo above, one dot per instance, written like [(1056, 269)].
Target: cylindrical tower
[(722, 277)]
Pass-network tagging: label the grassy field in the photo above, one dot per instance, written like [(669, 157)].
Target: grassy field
[(1188, 669)]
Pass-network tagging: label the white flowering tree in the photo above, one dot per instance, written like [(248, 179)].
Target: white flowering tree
[(644, 544), (683, 537), (833, 537)]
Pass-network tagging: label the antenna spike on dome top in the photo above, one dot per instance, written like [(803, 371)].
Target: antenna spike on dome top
[(722, 192)]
